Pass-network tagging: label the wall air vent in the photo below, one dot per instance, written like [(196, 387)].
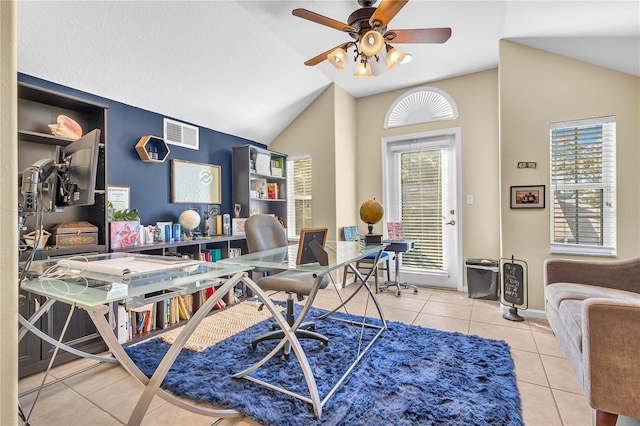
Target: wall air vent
[(184, 135)]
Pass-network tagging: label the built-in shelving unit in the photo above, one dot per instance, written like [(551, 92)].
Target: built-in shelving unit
[(37, 108), (260, 182)]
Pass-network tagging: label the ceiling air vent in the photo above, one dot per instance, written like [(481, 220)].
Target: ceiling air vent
[(184, 135)]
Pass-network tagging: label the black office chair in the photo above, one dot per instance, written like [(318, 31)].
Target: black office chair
[(264, 232)]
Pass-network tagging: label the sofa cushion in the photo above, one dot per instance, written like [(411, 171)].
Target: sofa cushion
[(571, 317), (557, 292)]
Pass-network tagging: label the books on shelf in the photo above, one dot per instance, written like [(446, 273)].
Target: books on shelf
[(395, 231)]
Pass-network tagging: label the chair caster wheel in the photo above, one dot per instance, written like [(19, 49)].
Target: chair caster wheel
[(415, 291), (399, 293)]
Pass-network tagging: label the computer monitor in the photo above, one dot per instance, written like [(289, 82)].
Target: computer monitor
[(75, 184)]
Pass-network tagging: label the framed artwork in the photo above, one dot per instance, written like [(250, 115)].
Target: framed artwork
[(527, 197), (305, 248), (118, 196), (237, 226), (195, 183), (395, 231), (351, 233)]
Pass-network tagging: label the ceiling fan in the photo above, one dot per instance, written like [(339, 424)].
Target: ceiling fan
[(368, 27)]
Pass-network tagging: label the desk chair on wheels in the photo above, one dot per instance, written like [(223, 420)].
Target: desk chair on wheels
[(350, 233), (264, 232)]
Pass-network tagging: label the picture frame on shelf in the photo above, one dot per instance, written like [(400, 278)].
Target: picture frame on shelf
[(527, 197), (237, 225), (306, 253)]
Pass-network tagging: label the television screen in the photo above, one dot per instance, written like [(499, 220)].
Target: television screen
[(77, 177)]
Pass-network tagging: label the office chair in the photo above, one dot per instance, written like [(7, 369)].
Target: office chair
[(264, 232), (364, 265)]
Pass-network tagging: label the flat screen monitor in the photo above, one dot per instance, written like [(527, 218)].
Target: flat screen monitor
[(76, 181)]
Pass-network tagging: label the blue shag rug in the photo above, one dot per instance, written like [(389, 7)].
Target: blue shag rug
[(411, 376)]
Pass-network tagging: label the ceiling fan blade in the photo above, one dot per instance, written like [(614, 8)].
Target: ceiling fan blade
[(323, 20), (426, 35), (385, 12), (321, 57)]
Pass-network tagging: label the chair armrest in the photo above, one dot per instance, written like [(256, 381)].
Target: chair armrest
[(611, 355), (618, 274)]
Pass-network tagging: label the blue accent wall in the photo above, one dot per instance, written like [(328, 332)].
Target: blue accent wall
[(150, 183)]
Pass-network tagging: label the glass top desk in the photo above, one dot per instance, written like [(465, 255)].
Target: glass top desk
[(339, 254), (89, 286)]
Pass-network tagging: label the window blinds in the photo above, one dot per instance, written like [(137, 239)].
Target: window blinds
[(299, 201), (583, 179)]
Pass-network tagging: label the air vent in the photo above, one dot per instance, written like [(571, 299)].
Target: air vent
[(184, 135)]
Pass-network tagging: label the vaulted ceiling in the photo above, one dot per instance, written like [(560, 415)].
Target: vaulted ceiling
[(238, 66)]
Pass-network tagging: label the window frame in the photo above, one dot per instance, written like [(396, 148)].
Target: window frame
[(608, 245), (291, 197)]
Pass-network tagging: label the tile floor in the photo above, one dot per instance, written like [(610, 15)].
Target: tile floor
[(551, 395)]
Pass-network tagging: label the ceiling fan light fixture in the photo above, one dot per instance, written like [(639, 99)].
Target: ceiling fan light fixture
[(338, 58), (395, 56), (371, 43), (407, 59), (363, 69)]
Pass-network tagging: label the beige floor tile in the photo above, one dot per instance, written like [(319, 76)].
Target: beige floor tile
[(517, 339), (538, 405), (446, 309), (120, 398), (560, 374), (406, 303), (78, 413), (451, 296), (494, 316), (439, 322), (539, 325), (489, 304), (393, 314), (548, 344), (30, 383), (49, 399), (171, 415), (529, 367), (97, 378), (573, 408)]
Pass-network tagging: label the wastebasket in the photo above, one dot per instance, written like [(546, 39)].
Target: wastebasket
[(482, 278)]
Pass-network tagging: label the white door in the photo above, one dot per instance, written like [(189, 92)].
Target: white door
[(421, 187)]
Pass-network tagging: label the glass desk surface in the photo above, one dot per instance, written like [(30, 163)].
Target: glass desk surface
[(340, 253), (92, 288)]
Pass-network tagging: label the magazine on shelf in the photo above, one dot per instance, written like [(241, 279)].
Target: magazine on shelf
[(395, 231)]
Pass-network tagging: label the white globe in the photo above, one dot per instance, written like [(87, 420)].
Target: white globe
[(189, 219)]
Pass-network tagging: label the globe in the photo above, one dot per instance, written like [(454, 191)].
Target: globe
[(189, 219), (371, 212)]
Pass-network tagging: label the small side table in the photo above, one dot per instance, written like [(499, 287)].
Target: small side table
[(397, 247)]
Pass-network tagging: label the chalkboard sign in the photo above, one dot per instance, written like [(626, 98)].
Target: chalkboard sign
[(514, 283)]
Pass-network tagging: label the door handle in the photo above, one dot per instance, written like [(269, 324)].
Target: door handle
[(451, 222)]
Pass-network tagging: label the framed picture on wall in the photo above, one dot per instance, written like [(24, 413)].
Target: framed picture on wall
[(527, 197), (195, 183)]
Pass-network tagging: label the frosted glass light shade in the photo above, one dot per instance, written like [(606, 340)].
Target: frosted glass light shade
[(395, 56), (371, 43), (338, 58), (363, 69)]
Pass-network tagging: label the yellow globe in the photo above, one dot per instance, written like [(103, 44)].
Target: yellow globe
[(371, 212)]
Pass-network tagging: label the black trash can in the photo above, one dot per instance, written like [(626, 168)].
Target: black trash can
[(482, 278)]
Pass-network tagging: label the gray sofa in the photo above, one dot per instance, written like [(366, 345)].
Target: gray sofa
[(593, 308)]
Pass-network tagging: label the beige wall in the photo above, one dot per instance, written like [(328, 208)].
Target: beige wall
[(476, 96), (537, 88), (8, 216), (346, 157)]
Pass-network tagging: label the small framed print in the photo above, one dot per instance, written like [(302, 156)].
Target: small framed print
[(237, 226), (527, 197)]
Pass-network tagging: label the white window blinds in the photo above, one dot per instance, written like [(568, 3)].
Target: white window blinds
[(583, 179), (299, 195), (417, 178)]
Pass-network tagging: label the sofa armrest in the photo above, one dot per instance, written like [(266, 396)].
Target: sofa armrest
[(611, 355), (618, 274)]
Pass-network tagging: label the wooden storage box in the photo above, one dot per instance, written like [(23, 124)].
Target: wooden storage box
[(70, 234)]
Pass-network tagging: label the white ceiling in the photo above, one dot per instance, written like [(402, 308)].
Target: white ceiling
[(237, 66)]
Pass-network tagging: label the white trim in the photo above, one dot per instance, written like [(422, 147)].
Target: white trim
[(434, 102), (456, 133)]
